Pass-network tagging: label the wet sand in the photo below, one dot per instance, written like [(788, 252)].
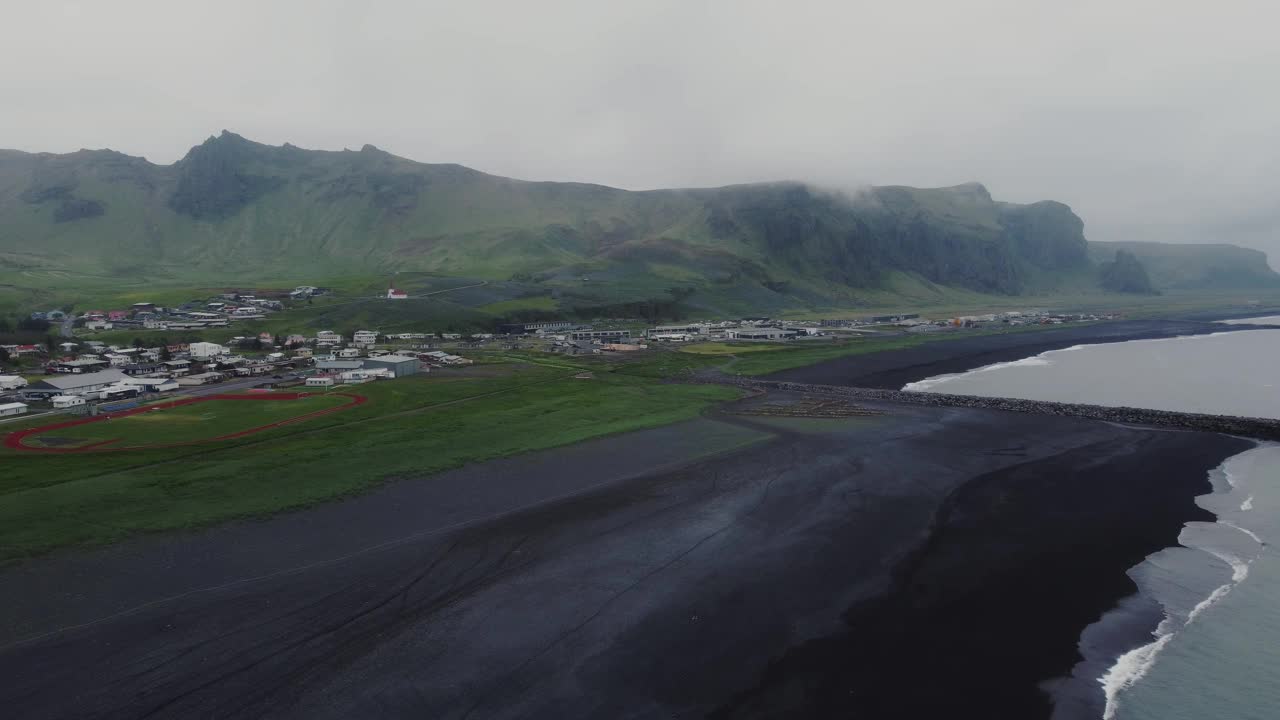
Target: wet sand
[(927, 562)]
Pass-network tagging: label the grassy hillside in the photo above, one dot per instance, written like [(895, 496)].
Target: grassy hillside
[(94, 225)]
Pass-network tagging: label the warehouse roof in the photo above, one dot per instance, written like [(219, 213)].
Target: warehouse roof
[(73, 381)]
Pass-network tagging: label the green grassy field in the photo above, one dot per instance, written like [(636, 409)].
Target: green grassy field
[(541, 302), (186, 423), (411, 427), (751, 359), (720, 348)]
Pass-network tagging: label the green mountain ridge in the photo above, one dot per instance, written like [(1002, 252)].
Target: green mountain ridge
[(236, 210)]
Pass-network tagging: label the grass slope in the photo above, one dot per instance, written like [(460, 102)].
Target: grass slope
[(235, 211), (413, 426), (186, 423)]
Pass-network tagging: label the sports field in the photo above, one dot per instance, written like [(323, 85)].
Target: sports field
[(181, 422)]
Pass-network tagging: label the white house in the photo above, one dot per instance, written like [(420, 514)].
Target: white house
[(349, 353), (12, 409), (155, 324), (328, 336), (62, 402), (365, 337), (205, 350), (323, 381)]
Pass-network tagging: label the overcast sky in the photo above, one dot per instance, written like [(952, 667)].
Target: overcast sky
[(1153, 119)]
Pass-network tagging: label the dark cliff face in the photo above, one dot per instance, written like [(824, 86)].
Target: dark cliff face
[(1125, 274), (220, 178), (1046, 234), (951, 236), (1194, 266)]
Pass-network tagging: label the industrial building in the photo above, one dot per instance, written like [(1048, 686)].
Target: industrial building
[(602, 335), (677, 330), (337, 366), (532, 327), (153, 384), (71, 384), (400, 365), (764, 333), (204, 378)]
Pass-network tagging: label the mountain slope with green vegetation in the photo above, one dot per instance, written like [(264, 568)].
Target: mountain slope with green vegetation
[(233, 211)]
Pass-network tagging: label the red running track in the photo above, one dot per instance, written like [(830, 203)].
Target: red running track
[(14, 439)]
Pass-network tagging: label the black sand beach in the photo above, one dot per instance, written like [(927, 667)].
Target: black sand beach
[(927, 562), (892, 369)]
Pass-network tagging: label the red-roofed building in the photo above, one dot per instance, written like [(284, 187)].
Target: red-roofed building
[(117, 315)]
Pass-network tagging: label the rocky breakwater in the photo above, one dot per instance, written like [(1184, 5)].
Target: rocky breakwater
[(1257, 428)]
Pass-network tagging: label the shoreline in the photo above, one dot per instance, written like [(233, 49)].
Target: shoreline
[(893, 369), (664, 591), (813, 567), (993, 637), (1131, 619)]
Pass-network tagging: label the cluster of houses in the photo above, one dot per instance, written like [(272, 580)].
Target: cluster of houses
[(104, 373), (746, 329), (341, 361), (195, 315), (1014, 318)]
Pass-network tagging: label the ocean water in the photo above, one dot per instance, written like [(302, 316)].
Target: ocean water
[(1216, 595)]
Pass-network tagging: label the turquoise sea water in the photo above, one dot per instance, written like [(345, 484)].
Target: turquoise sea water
[(1216, 653)]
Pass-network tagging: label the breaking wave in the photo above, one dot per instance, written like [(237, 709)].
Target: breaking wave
[(1133, 665), (927, 383)]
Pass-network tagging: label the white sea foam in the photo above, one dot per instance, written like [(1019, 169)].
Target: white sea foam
[(1246, 531), (927, 383), (1267, 320), (1132, 666), (1129, 669), (1239, 571)]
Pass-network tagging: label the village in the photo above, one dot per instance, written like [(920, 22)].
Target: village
[(83, 375)]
